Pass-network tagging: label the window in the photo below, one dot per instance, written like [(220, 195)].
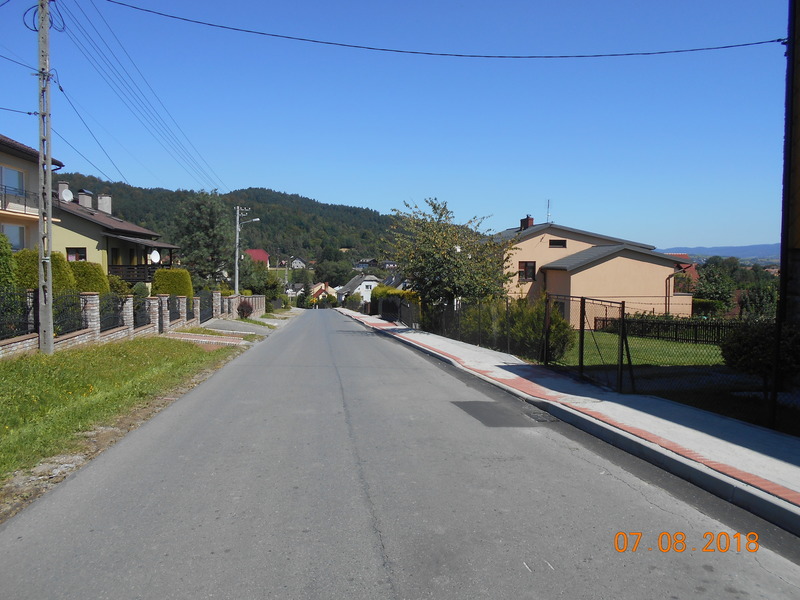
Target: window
[(76, 254), (527, 270), (558, 243), (11, 181), (15, 235)]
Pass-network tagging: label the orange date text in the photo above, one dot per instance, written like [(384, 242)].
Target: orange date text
[(666, 541)]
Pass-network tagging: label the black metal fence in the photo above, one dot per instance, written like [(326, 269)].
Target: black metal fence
[(68, 313), (174, 308), (206, 305), (141, 311), (17, 315), (111, 311)]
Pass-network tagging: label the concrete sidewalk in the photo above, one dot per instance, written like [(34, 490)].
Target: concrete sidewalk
[(747, 465)]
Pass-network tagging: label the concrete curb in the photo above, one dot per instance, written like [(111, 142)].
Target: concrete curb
[(759, 502)]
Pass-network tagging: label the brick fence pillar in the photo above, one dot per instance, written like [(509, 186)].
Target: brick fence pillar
[(127, 314), (154, 309), (90, 302), (182, 310), (163, 307), (216, 299)]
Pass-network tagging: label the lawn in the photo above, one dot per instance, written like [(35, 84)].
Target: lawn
[(46, 401), (602, 349)]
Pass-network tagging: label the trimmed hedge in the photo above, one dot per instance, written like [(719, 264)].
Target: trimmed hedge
[(27, 270), (175, 282), (7, 275), (89, 277)]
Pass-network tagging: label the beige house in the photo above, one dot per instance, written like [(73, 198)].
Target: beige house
[(19, 195), (83, 229), (571, 262)]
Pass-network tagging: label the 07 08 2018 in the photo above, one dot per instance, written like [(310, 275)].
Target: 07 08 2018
[(666, 541)]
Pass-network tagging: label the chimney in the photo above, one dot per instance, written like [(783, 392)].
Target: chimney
[(525, 223), (104, 203), (63, 186), (85, 198)]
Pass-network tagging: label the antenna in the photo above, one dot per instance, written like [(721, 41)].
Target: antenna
[(548, 211)]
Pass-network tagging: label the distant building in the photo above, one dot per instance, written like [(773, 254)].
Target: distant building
[(258, 255)]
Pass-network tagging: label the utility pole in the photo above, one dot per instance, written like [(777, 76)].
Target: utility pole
[(45, 186), (789, 301), (240, 212)]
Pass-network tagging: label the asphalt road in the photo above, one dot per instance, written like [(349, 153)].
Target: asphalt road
[(331, 462)]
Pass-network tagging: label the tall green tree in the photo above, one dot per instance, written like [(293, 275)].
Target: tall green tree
[(205, 232), (7, 276), (445, 260), (715, 284)]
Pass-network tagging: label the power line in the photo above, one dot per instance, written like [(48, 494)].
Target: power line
[(21, 64), (63, 139), (444, 54)]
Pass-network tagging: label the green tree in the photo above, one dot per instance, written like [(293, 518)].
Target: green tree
[(205, 233), (715, 284), (335, 273), (445, 260)]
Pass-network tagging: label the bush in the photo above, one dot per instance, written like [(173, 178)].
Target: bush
[(140, 289), (708, 308), (119, 286), (245, 309), (89, 277), (526, 330), (175, 282), (7, 275), (27, 265)]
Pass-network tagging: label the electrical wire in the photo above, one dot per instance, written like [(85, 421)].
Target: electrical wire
[(22, 112), (444, 54), (63, 139), (111, 69), (22, 64)]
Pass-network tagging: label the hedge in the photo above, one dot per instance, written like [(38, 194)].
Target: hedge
[(175, 282), (7, 276), (27, 271), (89, 277)]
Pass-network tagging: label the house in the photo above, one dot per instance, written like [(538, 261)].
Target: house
[(19, 194), (320, 290), (360, 284), (294, 289), (87, 230), (298, 263), (82, 228), (571, 262), (366, 263), (259, 255)]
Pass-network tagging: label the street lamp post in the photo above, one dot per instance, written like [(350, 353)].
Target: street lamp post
[(240, 212)]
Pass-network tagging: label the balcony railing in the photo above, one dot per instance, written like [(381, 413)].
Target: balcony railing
[(18, 200), (135, 273)]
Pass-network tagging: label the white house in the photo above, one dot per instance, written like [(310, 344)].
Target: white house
[(360, 284)]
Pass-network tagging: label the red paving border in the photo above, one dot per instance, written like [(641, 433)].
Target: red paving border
[(528, 387)]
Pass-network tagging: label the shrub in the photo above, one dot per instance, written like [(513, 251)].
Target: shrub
[(245, 309), (526, 330), (354, 301), (707, 308), (119, 286), (175, 282), (27, 270), (7, 275), (140, 289), (89, 277)]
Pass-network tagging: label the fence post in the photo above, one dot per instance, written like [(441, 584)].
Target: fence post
[(216, 300), (182, 305), (91, 313), (480, 322), (582, 336), (127, 314), (544, 355), (621, 349), (163, 312), (508, 326), (154, 310)]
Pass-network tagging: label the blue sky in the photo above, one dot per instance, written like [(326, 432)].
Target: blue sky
[(673, 150)]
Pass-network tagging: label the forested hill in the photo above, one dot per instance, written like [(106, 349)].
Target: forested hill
[(290, 225)]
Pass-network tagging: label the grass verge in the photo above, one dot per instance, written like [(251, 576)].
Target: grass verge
[(47, 401)]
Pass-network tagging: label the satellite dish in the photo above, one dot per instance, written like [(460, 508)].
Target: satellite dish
[(67, 196), (155, 256)]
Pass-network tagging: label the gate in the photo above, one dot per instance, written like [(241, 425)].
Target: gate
[(206, 305)]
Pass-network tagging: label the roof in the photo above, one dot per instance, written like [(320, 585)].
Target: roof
[(14, 148), (258, 254), (534, 230), (145, 242), (598, 253), (352, 285), (109, 222)]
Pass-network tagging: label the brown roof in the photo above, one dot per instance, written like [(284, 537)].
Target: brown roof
[(111, 223), (14, 148)]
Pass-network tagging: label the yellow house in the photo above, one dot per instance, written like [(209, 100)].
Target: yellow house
[(19, 195), (83, 229), (571, 262)]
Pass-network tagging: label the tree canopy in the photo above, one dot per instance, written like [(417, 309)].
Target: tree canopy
[(205, 232), (445, 260)]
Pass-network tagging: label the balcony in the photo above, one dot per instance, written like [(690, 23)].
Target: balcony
[(20, 201), (135, 273)]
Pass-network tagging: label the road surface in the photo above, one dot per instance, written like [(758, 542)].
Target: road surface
[(331, 462)]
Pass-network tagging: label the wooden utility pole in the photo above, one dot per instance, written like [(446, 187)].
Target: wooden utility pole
[(45, 186)]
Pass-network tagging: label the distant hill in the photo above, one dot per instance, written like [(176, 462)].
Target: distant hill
[(290, 225), (761, 253)]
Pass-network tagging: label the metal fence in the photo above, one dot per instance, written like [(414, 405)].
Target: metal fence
[(174, 308), (17, 312), (68, 313), (111, 311), (206, 305), (141, 311)]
